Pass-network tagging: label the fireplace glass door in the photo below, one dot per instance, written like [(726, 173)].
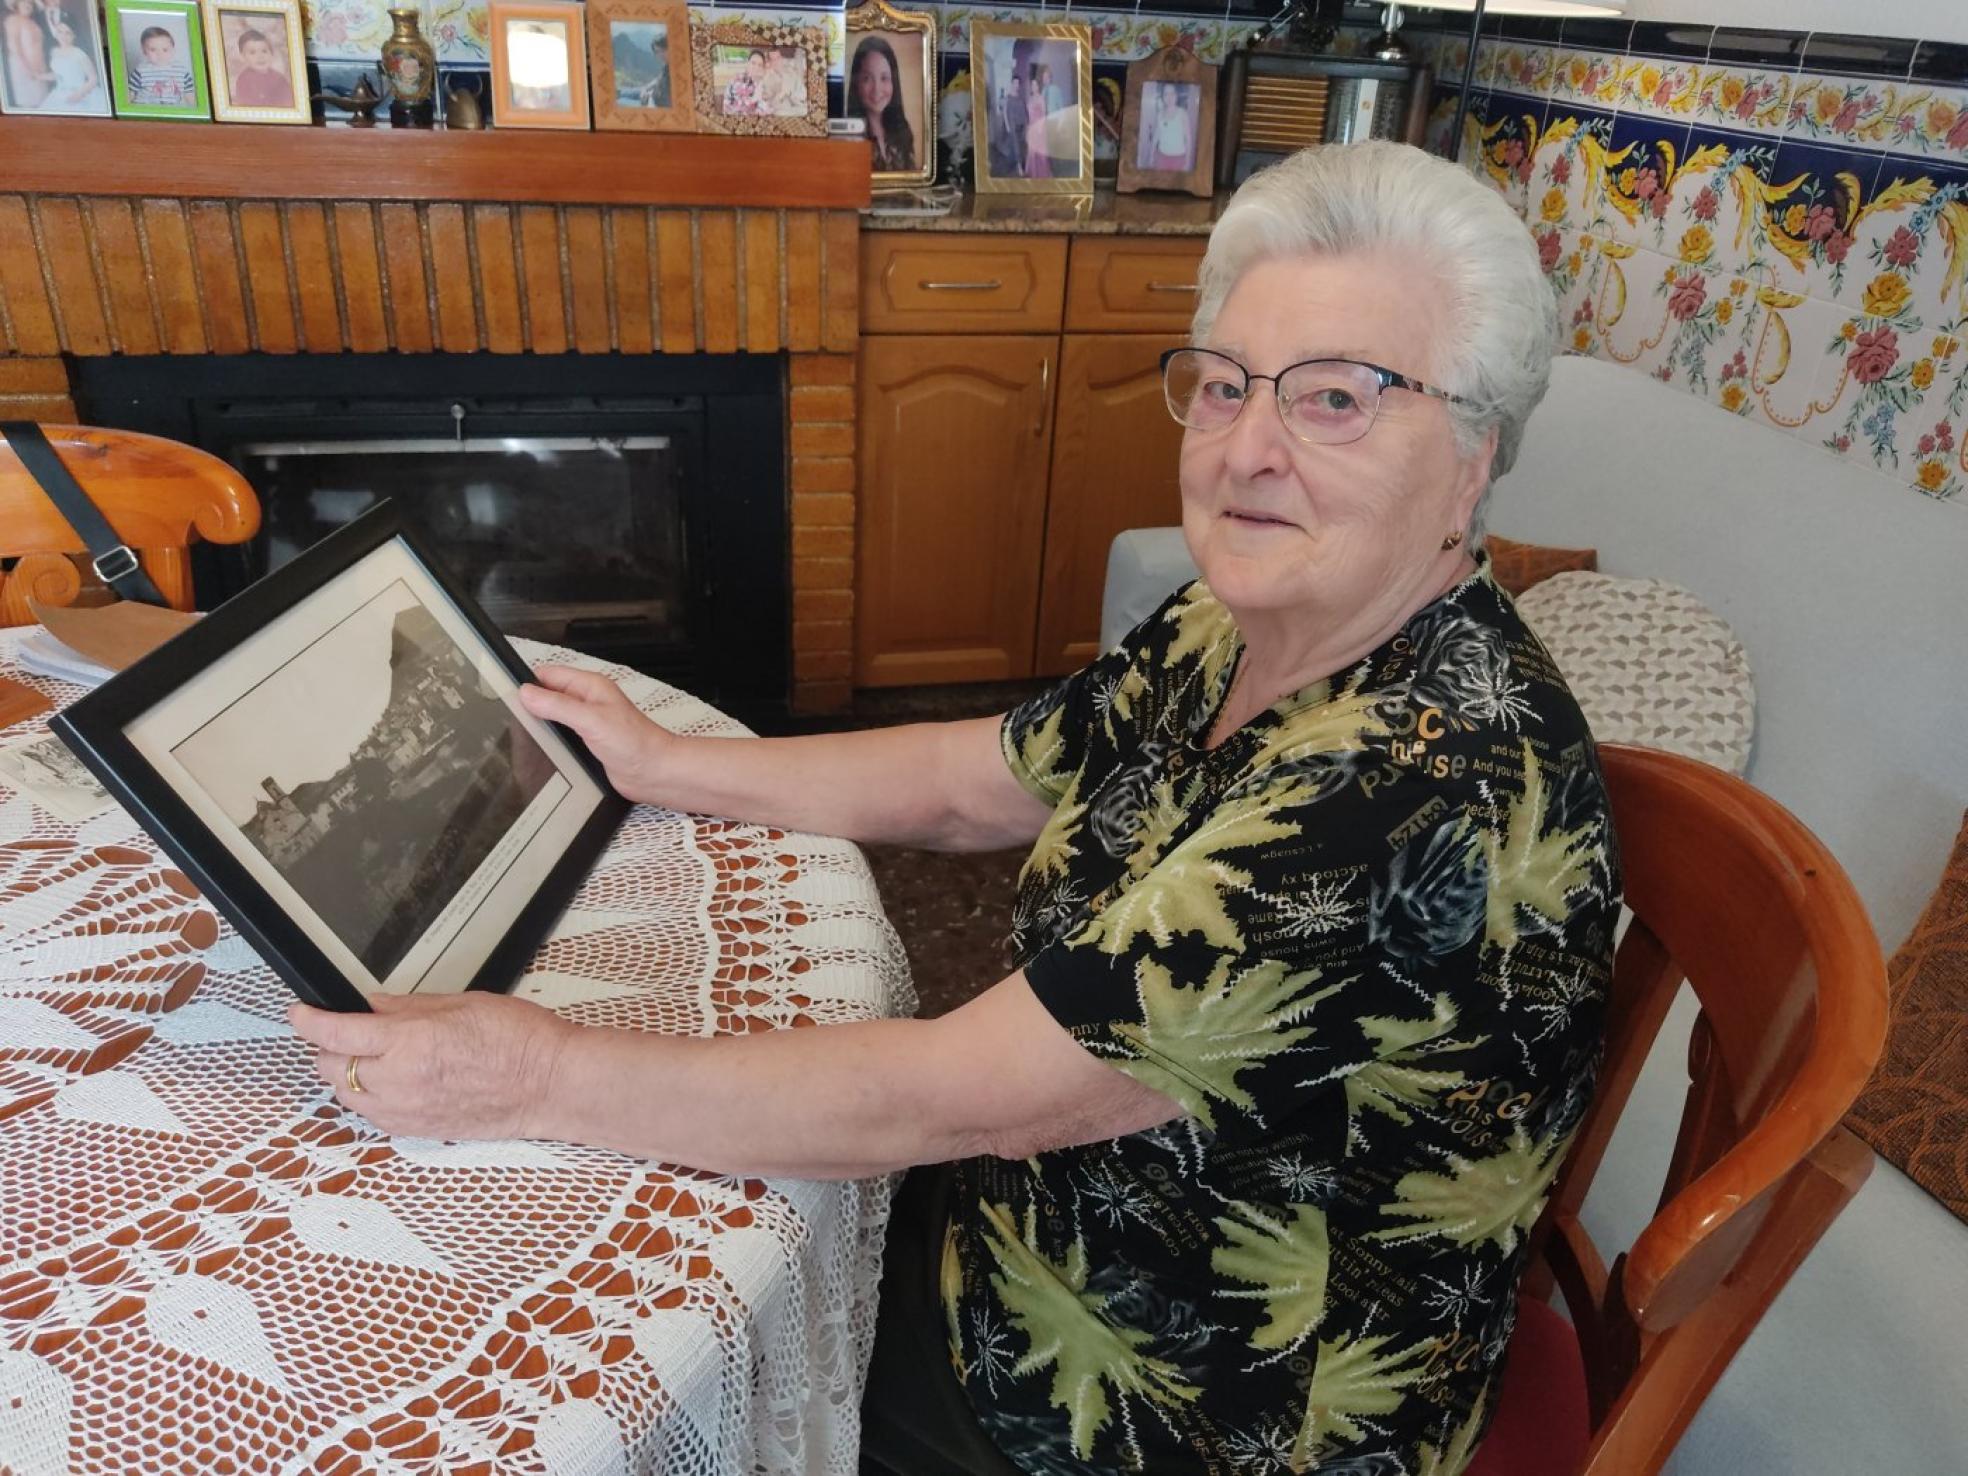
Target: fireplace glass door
[(577, 540)]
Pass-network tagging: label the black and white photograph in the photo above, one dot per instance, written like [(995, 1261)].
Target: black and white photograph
[(339, 760), (46, 772), (380, 809)]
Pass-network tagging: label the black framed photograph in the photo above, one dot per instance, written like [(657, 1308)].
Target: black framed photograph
[(339, 761)]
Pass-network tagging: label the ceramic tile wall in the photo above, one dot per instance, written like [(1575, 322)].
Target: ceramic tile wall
[(1776, 222)]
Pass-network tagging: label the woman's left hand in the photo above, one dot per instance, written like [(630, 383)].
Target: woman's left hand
[(472, 1065)]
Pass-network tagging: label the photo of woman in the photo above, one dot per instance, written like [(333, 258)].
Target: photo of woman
[(1033, 97), (1168, 127), (874, 94)]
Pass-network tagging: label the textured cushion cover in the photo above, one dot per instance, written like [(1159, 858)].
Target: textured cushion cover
[(1649, 663), (1541, 1426), (1517, 566)]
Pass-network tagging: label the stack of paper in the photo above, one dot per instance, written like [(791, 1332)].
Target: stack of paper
[(41, 652)]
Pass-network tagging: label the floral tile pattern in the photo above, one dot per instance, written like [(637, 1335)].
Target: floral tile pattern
[(1791, 246)]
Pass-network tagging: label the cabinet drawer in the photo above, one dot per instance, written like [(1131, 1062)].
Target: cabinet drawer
[(919, 283), (1132, 284)]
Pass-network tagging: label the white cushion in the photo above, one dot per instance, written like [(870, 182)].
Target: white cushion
[(1649, 663)]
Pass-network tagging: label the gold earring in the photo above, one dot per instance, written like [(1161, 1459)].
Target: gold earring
[(1452, 540)]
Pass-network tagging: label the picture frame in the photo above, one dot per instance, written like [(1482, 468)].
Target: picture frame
[(51, 59), (891, 54), (1168, 125), (543, 82), (258, 61), (639, 60), (1006, 61), (408, 828), (143, 85), (760, 78)]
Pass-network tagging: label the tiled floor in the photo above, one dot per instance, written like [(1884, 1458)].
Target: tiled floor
[(953, 911)]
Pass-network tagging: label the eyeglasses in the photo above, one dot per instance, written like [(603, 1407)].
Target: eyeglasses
[(1324, 402)]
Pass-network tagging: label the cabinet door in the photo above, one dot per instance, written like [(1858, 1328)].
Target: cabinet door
[(1113, 467), (954, 435)]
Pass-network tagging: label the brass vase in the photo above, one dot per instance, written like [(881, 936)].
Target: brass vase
[(409, 66)]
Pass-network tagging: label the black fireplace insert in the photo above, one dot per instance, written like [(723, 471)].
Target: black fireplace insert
[(632, 507)]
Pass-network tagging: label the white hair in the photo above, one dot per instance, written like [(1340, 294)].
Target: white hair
[(1374, 197)]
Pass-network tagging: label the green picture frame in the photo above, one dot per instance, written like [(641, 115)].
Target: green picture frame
[(125, 23)]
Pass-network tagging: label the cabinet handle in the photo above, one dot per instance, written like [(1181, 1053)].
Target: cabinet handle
[(991, 286), (1171, 286), (1045, 383)]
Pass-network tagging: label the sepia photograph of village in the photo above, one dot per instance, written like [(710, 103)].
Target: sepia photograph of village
[(374, 771)]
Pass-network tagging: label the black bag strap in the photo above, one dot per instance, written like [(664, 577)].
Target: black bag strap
[(113, 560)]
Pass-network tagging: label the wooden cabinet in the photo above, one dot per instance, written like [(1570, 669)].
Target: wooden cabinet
[(1011, 423), (954, 434), (1114, 448)]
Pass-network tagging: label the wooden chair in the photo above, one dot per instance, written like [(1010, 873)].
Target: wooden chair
[(158, 495), (1731, 892)]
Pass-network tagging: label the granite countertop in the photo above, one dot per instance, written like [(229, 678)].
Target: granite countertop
[(1103, 213)]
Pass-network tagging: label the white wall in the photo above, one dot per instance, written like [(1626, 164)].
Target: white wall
[(1927, 20)]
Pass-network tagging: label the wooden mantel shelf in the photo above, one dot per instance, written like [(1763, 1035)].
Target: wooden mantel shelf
[(102, 156)]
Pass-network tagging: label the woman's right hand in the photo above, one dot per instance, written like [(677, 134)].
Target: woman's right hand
[(630, 746)]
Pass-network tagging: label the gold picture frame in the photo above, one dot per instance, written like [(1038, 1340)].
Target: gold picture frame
[(1168, 125), (1006, 61), (247, 42), (784, 95), (534, 90), (635, 99), (902, 42)]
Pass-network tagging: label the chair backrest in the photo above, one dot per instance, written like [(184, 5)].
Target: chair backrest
[(1729, 891), (158, 495)]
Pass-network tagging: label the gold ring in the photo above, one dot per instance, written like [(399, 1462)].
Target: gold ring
[(354, 1081)]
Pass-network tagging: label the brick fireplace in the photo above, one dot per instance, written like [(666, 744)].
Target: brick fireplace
[(161, 239)]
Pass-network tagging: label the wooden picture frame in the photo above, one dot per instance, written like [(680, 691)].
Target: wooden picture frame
[(128, 23), (736, 96), (67, 35), (475, 821), (546, 84), (258, 61), (629, 92), (1168, 125), (901, 43), (1004, 61)]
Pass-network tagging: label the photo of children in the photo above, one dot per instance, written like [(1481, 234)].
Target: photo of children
[(158, 57), (53, 59), (1167, 141), (759, 81), (641, 53), (256, 48)]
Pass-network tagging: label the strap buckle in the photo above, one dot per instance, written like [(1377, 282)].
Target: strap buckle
[(118, 563)]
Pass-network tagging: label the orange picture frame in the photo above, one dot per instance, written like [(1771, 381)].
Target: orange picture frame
[(543, 82)]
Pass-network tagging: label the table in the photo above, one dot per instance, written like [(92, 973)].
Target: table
[(207, 1265)]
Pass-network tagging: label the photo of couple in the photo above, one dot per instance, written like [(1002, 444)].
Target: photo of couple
[(53, 57)]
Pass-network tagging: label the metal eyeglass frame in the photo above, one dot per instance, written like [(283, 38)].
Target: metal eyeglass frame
[(1388, 379)]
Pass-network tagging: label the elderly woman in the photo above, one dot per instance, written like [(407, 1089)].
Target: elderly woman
[(1312, 942)]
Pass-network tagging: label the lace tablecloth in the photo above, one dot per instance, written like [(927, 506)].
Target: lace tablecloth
[(207, 1265)]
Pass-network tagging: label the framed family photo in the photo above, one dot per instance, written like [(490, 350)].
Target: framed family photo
[(259, 67), (51, 59), (1168, 130), (1032, 107), (891, 85), (157, 59), (539, 66), (760, 77), (339, 761), (640, 61)]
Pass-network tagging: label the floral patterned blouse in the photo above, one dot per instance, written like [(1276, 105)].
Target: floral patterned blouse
[(1365, 943)]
